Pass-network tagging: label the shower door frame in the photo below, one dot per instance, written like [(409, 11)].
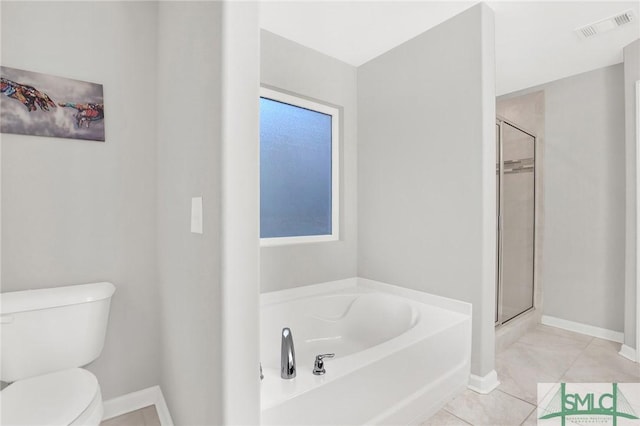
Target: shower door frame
[(500, 221), (637, 239)]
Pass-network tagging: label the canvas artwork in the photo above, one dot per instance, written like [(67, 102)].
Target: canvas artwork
[(38, 104)]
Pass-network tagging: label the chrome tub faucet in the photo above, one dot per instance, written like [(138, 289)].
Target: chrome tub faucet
[(287, 355)]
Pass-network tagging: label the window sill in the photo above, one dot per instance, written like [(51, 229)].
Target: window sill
[(287, 241)]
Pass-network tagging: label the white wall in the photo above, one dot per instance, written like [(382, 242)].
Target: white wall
[(584, 198), (208, 80), (631, 75), (291, 67), (79, 211), (189, 151), (426, 168)]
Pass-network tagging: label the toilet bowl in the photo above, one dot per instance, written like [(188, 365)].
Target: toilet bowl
[(68, 397), (46, 336)]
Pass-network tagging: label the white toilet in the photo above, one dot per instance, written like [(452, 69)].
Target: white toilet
[(46, 335)]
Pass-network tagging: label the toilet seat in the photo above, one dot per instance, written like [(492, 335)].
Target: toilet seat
[(59, 398)]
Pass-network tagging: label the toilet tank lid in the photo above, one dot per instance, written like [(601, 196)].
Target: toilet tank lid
[(31, 300)]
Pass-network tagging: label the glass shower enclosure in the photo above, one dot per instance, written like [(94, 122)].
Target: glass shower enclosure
[(515, 188)]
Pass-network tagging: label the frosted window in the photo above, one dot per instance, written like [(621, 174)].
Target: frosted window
[(295, 171)]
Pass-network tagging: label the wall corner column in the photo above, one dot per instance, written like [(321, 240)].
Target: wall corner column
[(631, 75), (240, 272), (485, 362)]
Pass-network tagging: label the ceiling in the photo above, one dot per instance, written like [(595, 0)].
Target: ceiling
[(535, 41)]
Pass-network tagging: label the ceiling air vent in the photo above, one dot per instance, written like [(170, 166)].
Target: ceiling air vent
[(625, 18), (592, 30)]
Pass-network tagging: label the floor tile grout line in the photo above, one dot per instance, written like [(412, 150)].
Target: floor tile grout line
[(459, 418), (519, 340), (538, 345), (576, 359), (578, 355), (590, 341), (515, 396), (559, 377), (535, 408), (543, 328)]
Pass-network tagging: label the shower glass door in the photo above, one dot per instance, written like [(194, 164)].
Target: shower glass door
[(516, 221)]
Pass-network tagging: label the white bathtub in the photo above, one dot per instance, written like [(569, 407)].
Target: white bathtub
[(400, 354)]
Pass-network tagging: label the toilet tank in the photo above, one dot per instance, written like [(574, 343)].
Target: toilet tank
[(52, 329)]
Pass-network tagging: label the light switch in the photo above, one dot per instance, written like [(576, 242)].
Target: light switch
[(196, 215)]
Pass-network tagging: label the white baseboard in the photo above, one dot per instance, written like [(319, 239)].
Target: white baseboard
[(589, 330), (629, 353), (484, 384), (163, 410), (136, 400)]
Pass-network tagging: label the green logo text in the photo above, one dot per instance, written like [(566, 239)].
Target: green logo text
[(612, 404)]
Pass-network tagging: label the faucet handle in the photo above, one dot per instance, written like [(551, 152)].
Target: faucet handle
[(318, 366)]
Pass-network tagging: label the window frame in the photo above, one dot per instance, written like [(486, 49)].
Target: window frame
[(316, 106)]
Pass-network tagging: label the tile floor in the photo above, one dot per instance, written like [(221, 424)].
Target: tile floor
[(544, 354), (147, 416)]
